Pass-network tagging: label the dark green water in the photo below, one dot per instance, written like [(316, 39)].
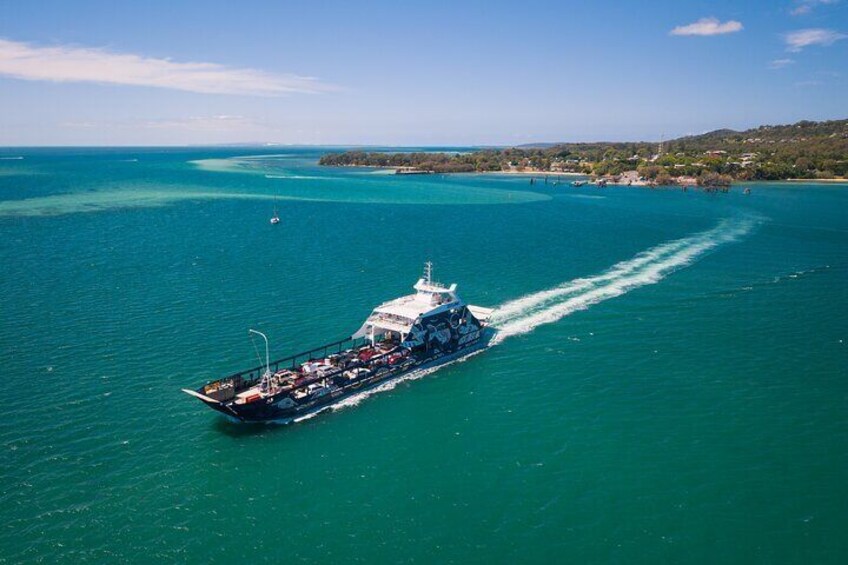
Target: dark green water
[(669, 383)]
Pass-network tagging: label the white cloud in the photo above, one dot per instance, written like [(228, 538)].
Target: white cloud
[(82, 64), (780, 63), (797, 40), (806, 6), (708, 26)]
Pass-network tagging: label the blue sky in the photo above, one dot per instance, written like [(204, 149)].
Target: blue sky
[(457, 73)]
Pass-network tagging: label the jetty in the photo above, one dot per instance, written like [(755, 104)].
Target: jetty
[(413, 171)]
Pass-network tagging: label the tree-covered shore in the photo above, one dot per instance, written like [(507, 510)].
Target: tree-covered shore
[(805, 150)]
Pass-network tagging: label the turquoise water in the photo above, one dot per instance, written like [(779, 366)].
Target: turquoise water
[(669, 383)]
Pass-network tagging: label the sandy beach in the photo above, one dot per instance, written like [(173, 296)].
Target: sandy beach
[(836, 181)]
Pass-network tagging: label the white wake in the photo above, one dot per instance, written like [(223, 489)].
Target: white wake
[(524, 314)]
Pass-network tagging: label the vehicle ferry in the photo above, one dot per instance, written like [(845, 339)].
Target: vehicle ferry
[(426, 329)]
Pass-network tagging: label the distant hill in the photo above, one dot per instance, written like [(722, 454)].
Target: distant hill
[(804, 131), (806, 150), (537, 145), (777, 133)]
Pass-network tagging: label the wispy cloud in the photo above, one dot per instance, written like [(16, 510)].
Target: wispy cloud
[(797, 40), (806, 6), (214, 123), (808, 83), (82, 64), (708, 26), (222, 122), (780, 63)]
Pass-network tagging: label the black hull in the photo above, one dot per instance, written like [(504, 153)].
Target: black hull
[(268, 411)]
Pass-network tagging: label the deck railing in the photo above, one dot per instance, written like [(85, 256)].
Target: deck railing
[(292, 361)]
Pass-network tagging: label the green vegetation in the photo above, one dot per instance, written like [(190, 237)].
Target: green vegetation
[(806, 150), (479, 161)]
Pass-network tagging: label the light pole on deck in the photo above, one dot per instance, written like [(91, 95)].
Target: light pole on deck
[(267, 356)]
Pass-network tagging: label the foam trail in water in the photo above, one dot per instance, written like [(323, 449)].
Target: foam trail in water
[(527, 313), (525, 303)]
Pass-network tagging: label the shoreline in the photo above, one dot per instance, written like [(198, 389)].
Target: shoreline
[(537, 173), (408, 171)]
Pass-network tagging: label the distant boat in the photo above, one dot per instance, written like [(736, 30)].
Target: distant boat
[(578, 183), (747, 190), (275, 219)]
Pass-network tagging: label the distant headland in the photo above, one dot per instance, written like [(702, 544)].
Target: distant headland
[(801, 151)]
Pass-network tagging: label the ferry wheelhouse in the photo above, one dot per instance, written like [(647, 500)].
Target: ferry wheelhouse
[(428, 328)]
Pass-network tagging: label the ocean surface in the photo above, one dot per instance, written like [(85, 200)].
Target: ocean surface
[(669, 382)]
